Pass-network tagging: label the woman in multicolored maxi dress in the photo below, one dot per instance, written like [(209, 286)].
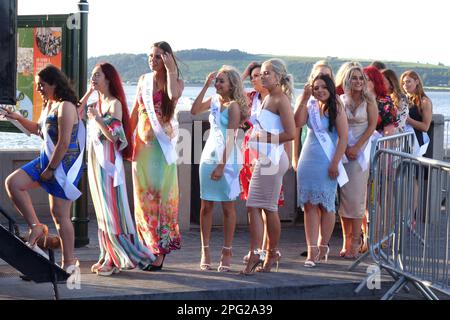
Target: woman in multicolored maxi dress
[(155, 178), (109, 133)]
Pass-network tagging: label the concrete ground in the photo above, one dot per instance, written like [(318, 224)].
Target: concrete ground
[(181, 278)]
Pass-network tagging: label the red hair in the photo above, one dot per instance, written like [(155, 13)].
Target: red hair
[(377, 79), (116, 90)]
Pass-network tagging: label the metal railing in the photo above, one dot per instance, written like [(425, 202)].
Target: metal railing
[(447, 138), (402, 142), (410, 221)]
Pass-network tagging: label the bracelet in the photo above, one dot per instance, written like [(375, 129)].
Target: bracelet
[(50, 168)]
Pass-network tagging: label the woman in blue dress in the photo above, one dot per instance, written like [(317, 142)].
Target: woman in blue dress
[(58, 168), (219, 163), (317, 172)]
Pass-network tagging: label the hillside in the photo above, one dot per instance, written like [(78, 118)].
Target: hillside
[(197, 63)]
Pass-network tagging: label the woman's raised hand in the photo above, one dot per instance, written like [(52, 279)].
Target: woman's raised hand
[(169, 62), (210, 78)]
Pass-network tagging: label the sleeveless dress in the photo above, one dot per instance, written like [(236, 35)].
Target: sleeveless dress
[(415, 115), (267, 178), (38, 165), (314, 185), (155, 184), (353, 194), (215, 190), (249, 156), (119, 244)]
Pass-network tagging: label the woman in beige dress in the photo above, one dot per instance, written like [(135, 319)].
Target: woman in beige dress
[(362, 115)]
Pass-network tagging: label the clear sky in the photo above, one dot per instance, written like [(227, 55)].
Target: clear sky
[(400, 30)]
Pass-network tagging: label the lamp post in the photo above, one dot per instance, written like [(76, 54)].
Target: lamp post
[(80, 216)]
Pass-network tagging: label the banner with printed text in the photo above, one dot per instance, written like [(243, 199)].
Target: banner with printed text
[(37, 47)]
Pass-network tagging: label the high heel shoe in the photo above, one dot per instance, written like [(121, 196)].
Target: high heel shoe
[(38, 231), (312, 263), (325, 256), (272, 256), (203, 265), (152, 267), (107, 270), (260, 252), (222, 267), (97, 265), (253, 262), (354, 249)]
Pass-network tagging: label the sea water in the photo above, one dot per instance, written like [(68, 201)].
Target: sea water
[(440, 99)]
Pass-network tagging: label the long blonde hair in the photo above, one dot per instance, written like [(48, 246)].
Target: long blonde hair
[(237, 89), (316, 66), (286, 79), (416, 97), (347, 85), (340, 75)]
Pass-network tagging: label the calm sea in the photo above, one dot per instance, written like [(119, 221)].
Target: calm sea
[(441, 105)]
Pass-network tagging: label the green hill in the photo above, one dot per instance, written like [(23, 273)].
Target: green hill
[(197, 63)]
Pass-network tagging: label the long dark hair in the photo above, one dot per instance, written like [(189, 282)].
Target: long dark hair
[(331, 105), (116, 89), (63, 89), (168, 106)]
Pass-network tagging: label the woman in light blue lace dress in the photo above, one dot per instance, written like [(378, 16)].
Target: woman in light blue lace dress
[(316, 174)]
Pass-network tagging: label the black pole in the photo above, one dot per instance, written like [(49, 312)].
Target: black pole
[(80, 217)]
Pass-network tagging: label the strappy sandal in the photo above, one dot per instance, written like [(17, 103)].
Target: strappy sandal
[(204, 266), (222, 267), (312, 263)]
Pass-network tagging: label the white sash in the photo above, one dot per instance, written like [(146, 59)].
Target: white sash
[(167, 144), (325, 141), (270, 123), (256, 108), (231, 175), (363, 155), (115, 170), (66, 181), (418, 150)]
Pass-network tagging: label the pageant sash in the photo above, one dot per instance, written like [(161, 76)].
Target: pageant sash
[(271, 123), (115, 170), (363, 154), (231, 175), (418, 150), (66, 181), (256, 108), (168, 145), (324, 139)]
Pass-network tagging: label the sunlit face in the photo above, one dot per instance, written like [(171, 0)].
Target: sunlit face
[(255, 79), (268, 76), (222, 84), (98, 79), (320, 90), (409, 84), (387, 85), (45, 90), (357, 81), (155, 60)]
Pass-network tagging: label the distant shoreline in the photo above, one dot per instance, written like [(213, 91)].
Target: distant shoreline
[(199, 84)]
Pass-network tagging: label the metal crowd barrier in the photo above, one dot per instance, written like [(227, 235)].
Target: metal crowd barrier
[(402, 142), (447, 138), (410, 222)]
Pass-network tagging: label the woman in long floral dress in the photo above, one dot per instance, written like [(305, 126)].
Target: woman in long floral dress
[(154, 163), (109, 142)]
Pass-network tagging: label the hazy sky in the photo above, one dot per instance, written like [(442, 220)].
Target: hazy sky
[(400, 30)]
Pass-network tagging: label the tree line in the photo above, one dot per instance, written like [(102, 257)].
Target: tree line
[(195, 64)]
